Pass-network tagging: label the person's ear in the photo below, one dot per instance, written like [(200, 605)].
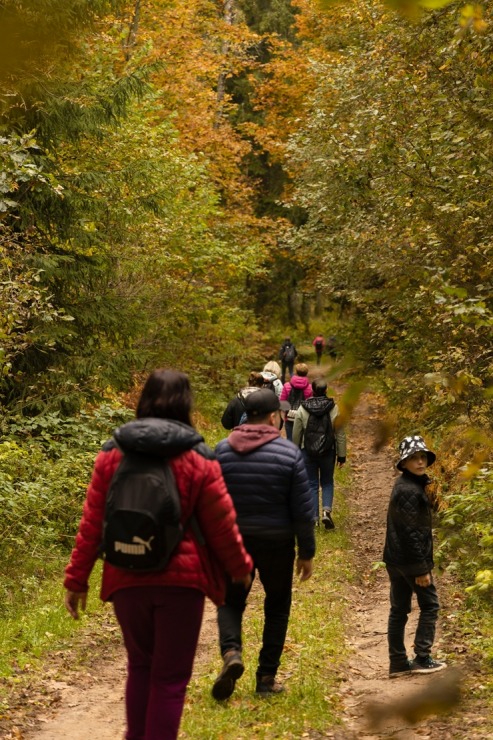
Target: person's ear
[(273, 419)]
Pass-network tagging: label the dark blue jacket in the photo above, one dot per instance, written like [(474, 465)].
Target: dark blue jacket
[(408, 540), (266, 478)]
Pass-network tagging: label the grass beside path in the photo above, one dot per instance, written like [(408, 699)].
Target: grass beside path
[(312, 661)]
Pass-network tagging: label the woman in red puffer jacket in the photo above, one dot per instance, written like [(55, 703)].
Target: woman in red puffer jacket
[(160, 613)]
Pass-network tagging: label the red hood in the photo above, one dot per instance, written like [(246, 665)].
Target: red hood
[(248, 437)]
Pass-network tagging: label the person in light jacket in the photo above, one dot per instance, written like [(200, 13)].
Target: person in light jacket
[(272, 367), (321, 469)]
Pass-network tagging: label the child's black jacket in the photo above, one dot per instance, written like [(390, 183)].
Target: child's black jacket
[(408, 541)]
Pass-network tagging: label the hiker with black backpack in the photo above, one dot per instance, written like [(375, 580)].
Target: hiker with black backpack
[(322, 438), (287, 354), (235, 410), (158, 509), (295, 391)]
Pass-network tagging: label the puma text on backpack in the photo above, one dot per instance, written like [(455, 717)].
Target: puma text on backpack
[(319, 435), (296, 396), (142, 516)]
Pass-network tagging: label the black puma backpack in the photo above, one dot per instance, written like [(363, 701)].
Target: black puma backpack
[(142, 527)]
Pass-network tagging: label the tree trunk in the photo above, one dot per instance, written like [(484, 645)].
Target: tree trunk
[(228, 17), (129, 42), (319, 303)]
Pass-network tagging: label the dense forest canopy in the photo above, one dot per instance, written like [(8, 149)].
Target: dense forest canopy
[(186, 183), (394, 172), (177, 178)]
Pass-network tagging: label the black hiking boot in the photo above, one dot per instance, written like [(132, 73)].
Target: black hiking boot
[(267, 686), (233, 668)]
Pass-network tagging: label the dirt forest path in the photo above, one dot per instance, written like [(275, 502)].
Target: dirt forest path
[(89, 703), (367, 682), (375, 706)]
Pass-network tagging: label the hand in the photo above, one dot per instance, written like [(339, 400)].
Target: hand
[(304, 568), (245, 580), (72, 601), (423, 581)]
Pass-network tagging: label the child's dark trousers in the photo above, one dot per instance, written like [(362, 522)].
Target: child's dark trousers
[(402, 587)]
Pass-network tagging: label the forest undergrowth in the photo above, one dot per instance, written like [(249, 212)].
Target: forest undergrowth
[(49, 462)]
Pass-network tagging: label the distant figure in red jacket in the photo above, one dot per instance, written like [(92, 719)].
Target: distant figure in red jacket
[(319, 344), (160, 612)]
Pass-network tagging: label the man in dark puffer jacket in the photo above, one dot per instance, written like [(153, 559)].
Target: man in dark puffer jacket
[(266, 478), (408, 554)]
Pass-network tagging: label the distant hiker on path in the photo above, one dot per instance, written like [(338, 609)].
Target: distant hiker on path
[(331, 345), (319, 344), (235, 409), (266, 478), (160, 612), (287, 354), (408, 555), (317, 430), (295, 391)]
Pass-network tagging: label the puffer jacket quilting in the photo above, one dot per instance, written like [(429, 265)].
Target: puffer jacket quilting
[(296, 381), (269, 488), (409, 540), (203, 492)]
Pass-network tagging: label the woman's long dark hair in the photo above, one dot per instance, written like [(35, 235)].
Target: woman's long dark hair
[(167, 395)]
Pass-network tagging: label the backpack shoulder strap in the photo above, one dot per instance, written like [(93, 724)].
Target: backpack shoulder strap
[(195, 527), (204, 450)]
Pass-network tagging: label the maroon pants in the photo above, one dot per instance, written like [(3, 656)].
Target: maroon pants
[(160, 627)]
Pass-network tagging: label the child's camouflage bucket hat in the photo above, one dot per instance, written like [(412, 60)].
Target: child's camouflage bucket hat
[(410, 445)]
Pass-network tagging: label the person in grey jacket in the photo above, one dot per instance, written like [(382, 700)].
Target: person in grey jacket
[(321, 469), (266, 478)]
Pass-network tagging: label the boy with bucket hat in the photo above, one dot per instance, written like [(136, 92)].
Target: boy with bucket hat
[(408, 555)]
